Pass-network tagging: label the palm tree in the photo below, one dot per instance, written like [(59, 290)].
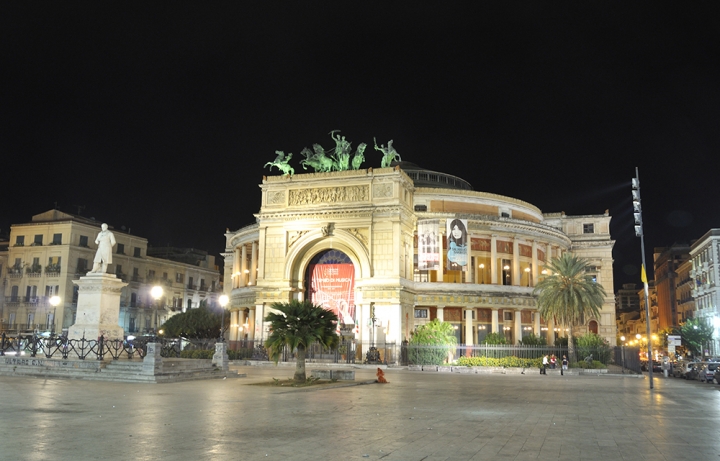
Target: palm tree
[(298, 324), (569, 295)]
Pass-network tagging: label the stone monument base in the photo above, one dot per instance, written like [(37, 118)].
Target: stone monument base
[(98, 307)]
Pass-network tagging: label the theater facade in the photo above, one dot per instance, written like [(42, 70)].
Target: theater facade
[(389, 249)]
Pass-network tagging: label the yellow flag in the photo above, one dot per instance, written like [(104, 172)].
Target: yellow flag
[(643, 275)]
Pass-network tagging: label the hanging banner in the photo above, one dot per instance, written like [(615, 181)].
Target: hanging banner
[(457, 245), (333, 287), (428, 246)]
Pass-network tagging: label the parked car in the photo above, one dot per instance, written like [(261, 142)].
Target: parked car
[(694, 371), (717, 375), (681, 369), (709, 371)]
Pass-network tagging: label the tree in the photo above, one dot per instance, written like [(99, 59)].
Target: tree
[(694, 334), (569, 295), (494, 338), (200, 323), (430, 343), (298, 324)]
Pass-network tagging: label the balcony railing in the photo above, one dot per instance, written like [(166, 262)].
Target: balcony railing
[(191, 287)]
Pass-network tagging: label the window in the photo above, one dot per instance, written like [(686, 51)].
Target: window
[(52, 290), (84, 241), (133, 299), (179, 277), (120, 248), (151, 274), (20, 241), (202, 284), (57, 239), (189, 303), (421, 313), (38, 240), (190, 282), (165, 276), (136, 252), (118, 270), (507, 315), (588, 228), (82, 265), (465, 313)]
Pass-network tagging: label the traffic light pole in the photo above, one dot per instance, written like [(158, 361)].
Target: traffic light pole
[(637, 213)]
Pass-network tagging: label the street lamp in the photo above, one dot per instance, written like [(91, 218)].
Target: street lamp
[(482, 273), (156, 292), (54, 302), (622, 352), (223, 300)]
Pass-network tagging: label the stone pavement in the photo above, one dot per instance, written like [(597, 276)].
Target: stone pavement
[(417, 416)]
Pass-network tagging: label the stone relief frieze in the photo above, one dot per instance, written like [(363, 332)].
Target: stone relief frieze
[(382, 190), (328, 195), (295, 236), (276, 197), (360, 233)]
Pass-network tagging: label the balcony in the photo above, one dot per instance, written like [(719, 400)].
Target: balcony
[(136, 279), (191, 287)]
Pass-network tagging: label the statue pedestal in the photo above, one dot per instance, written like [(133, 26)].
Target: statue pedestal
[(98, 307)]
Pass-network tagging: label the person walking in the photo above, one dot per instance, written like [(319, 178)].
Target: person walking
[(543, 370)]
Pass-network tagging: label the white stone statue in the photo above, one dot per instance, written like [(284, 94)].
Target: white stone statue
[(105, 241)]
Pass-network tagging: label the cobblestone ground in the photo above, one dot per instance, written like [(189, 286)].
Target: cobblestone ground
[(417, 416)]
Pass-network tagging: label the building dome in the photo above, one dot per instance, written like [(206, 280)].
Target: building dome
[(427, 178)]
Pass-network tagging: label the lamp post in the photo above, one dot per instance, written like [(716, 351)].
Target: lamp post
[(637, 214), (54, 302), (622, 352), (223, 300)]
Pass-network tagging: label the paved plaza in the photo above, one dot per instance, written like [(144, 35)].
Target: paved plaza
[(417, 416)]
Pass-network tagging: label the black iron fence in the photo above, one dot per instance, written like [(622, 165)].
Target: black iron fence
[(628, 358)]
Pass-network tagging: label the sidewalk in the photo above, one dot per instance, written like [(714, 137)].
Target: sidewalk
[(417, 416)]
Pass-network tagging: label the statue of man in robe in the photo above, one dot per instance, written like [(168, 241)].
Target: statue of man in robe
[(105, 241)]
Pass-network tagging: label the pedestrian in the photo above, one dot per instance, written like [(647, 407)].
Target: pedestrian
[(544, 365), (553, 362), (564, 362)]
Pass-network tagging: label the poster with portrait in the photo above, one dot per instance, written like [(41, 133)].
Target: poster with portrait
[(458, 250), (333, 287), (428, 246)]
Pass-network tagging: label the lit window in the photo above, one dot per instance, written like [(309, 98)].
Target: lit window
[(588, 228)]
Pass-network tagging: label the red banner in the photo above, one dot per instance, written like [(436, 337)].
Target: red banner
[(333, 287)]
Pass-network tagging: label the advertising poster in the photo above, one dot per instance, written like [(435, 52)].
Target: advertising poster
[(428, 246), (333, 287), (458, 250)]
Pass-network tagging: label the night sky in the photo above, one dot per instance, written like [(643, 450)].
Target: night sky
[(159, 117)]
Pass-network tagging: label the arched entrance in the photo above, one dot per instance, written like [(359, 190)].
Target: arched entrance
[(330, 282)]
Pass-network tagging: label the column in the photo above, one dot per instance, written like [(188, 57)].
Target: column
[(232, 337), (493, 260), (518, 326), (469, 340), (495, 325), (236, 275), (241, 325), (251, 325), (441, 269), (516, 263), (260, 322), (536, 323), (253, 264), (534, 264), (440, 313), (243, 267)]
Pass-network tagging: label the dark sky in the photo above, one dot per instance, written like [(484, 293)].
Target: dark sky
[(159, 117)]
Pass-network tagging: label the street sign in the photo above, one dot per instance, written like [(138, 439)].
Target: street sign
[(674, 340)]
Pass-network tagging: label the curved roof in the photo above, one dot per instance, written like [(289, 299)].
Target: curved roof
[(434, 179)]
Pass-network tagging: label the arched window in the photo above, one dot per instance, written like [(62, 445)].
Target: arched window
[(593, 326)]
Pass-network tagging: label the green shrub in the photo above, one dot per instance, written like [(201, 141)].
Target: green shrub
[(494, 338), (595, 345), (430, 343), (241, 354), (510, 361), (532, 340), (594, 365)]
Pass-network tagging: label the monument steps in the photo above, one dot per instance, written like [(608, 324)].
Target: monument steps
[(172, 370)]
